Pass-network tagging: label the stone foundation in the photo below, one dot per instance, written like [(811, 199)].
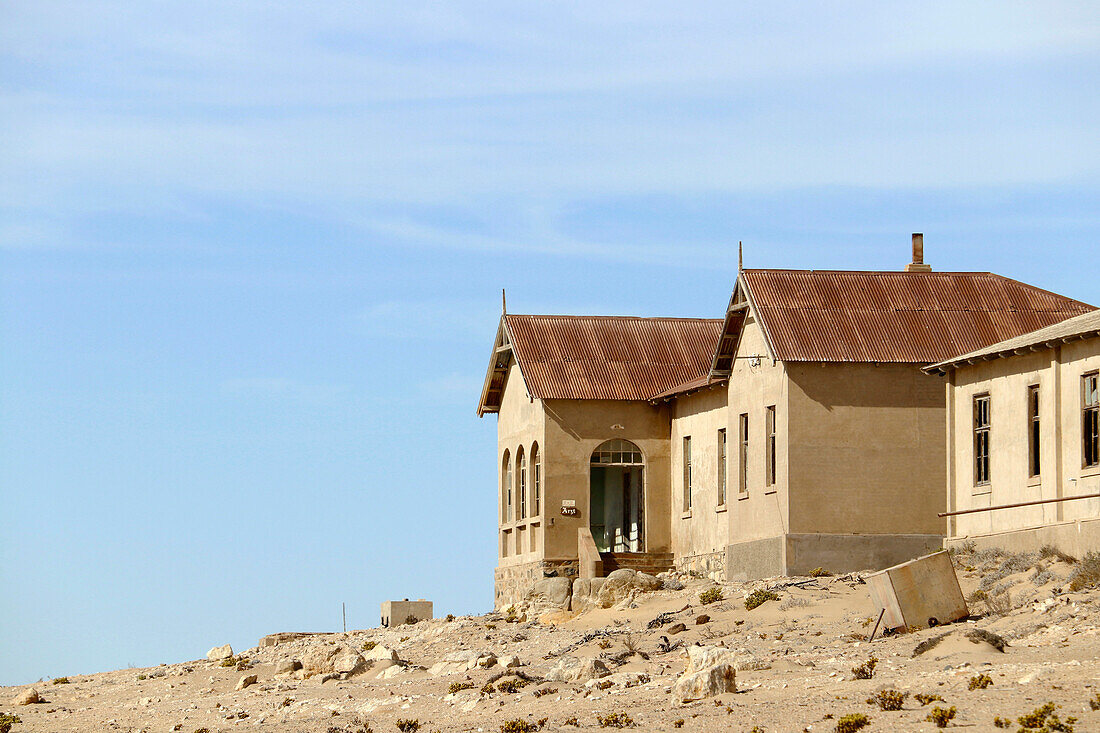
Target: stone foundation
[(798, 554), (1076, 538), (706, 565), (512, 583)]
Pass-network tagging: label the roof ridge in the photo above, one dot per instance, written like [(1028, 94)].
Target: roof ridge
[(636, 318)]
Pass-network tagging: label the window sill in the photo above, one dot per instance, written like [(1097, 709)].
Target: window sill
[(770, 491), (1034, 481), (1090, 472), (742, 496), (685, 515), (981, 490), (720, 508)]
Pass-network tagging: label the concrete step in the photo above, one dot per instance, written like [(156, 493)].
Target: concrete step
[(646, 562)]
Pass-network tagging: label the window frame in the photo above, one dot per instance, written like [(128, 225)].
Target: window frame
[(1034, 432), (506, 487), (686, 460), (743, 454), (1090, 420), (770, 468), (536, 480), (521, 482), (982, 436), (723, 471)]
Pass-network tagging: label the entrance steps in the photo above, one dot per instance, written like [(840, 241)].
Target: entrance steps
[(644, 562)]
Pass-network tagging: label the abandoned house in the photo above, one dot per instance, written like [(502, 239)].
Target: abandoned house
[(1023, 442), (798, 431)]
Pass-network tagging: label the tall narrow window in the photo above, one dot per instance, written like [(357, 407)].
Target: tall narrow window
[(521, 486), (769, 466), (536, 480), (721, 467), (506, 489), (1090, 429), (1033, 432), (687, 473), (981, 440), (743, 454)]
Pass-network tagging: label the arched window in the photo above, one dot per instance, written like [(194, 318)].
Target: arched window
[(617, 453), (521, 487), (536, 480), (506, 489)]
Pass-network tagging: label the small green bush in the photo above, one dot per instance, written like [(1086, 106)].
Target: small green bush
[(459, 687), (866, 670), (999, 722), (941, 716), (519, 726), (888, 699), (759, 598), (368, 645), (61, 681), (1094, 703), (1043, 718), (615, 720), (572, 721), (408, 726), (7, 721), (979, 682), (820, 573), (711, 595), (926, 697), (852, 722), (511, 686)]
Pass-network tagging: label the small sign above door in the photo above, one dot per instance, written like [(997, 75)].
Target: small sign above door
[(570, 511)]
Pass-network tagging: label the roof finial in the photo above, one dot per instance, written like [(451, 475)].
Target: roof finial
[(503, 302), (740, 258)]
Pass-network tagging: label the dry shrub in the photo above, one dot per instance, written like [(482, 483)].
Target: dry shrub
[(368, 645), (820, 573), (999, 722), (615, 720), (408, 726), (7, 720), (572, 721), (866, 670), (926, 697), (711, 595), (520, 726), (1043, 719), (759, 598), (994, 640), (793, 602), (1050, 551), (941, 716), (979, 682), (459, 687), (888, 699), (929, 644), (1094, 703), (1087, 573)]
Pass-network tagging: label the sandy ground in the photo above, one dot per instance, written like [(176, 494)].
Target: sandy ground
[(797, 656)]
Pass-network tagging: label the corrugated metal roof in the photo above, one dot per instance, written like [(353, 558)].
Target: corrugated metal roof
[(610, 357), (1086, 325), (687, 387), (906, 317)]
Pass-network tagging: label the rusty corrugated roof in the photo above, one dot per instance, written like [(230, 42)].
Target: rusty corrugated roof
[(906, 317), (692, 385), (1079, 327), (610, 357)]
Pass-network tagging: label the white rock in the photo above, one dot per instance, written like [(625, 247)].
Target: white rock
[(381, 652), (219, 653), (243, 682), (575, 669), (27, 697), (349, 661), (710, 671)]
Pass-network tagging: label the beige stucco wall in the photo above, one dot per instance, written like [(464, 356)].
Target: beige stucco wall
[(1058, 373), (520, 422), (573, 430), (704, 529), (761, 511), (867, 454)]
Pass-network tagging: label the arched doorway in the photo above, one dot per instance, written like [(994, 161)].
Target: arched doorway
[(617, 497)]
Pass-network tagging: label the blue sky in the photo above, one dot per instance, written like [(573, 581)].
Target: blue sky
[(252, 255)]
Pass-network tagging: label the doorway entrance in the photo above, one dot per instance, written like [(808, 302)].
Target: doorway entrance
[(617, 497)]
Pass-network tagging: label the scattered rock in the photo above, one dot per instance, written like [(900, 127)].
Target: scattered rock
[(585, 591), (710, 671), (618, 586), (380, 652), (462, 661), (27, 697), (510, 662), (575, 669), (702, 619), (676, 628), (219, 653), (243, 682), (287, 666), (348, 661), (551, 592)]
